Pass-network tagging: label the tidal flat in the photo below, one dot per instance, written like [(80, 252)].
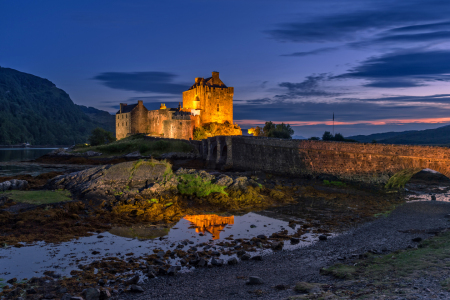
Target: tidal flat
[(107, 235)]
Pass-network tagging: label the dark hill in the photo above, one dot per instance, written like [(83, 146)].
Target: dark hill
[(34, 110), (437, 136), (107, 120)]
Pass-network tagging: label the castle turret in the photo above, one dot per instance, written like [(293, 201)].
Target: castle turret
[(212, 98)]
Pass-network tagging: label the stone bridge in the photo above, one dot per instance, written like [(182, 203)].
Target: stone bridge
[(371, 163)]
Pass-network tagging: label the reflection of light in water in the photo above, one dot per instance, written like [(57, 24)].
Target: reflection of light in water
[(210, 223)]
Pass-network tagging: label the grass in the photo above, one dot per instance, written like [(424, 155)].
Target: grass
[(139, 143), (38, 197), (335, 183), (399, 179), (195, 185), (431, 256)]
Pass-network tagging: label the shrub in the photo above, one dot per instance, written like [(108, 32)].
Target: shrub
[(195, 185), (100, 136), (215, 129)]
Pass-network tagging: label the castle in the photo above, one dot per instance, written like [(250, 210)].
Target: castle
[(208, 100)]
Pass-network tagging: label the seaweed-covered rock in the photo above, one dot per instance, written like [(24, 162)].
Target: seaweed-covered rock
[(240, 183), (122, 180), (13, 184), (224, 180)]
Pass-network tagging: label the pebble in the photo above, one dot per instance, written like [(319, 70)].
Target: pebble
[(254, 280)]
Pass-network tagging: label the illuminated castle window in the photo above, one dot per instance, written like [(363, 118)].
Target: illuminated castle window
[(218, 107)]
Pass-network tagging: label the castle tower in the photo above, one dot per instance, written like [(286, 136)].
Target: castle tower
[(211, 99)]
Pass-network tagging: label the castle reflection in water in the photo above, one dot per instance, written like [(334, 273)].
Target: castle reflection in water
[(210, 223)]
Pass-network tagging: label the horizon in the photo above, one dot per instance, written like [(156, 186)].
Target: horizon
[(378, 66)]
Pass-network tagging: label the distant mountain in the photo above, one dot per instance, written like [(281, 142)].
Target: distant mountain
[(437, 136), (34, 110), (378, 136), (100, 116)]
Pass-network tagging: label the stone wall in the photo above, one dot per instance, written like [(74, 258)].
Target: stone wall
[(139, 119), (123, 125), (373, 163), (216, 103)]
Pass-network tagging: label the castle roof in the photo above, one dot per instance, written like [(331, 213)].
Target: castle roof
[(213, 81), (127, 108)]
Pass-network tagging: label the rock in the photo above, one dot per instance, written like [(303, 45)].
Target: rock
[(417, 239), (151, 274), (306, 287), (277, 246), (246, 256), (254, 280), (31, 291), (224, 180), (239, 183), (66, 297), (252, 226), (232, 261), (261, 236), (433, 197), (105, 294), (51, 296), (76, 298), (202, 262), (12, 280), (132, 280), (5, 186), (91, 294), (295, 241), (92, 153), (323, 237), (172, 271), (133, 154), (136, 289), (217, 262), (257, 257)]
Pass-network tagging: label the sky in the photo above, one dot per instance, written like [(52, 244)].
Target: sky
[(377, 65)]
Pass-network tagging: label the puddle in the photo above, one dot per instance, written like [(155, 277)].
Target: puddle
[(33, 260)]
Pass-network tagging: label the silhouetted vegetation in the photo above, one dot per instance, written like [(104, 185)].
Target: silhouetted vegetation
[(314, 138), (281, 131), (100, 136), (34, 110), (327, 136)]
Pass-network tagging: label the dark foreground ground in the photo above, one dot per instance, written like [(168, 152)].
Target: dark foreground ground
[(289, 267)]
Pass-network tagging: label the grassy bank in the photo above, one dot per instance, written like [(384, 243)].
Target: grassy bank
[(37, 197), (139, 143)]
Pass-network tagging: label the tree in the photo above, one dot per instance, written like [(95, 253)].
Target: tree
[(327, 136), (256, 131), (314, 138), (100, 136), (281, 131), (339, 137)]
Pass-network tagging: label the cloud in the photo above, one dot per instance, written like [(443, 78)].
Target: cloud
[(156, 82), (393, 84), (313, 52), (405, 68), (360, 20), (422, 27), (310, 87)]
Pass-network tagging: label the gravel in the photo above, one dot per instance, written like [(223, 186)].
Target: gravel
[(289, 267)]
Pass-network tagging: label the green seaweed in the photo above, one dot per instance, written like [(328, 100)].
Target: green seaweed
[(195, 185), (398, 180)]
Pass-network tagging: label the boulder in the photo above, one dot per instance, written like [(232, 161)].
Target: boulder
[(224, 180), (91, 294), (240, 183)]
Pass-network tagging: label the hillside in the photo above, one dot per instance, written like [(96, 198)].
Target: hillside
[(437, 136), (377, 136), (34, 110), (100, 116)]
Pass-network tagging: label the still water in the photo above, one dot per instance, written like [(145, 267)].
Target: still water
[(11, 161), (34, 259)]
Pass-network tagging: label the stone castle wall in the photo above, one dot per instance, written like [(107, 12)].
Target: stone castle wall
[(374, 163), (123, 125), (216, 103)]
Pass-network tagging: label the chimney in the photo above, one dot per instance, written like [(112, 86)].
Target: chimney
[(122, 105), (140, 103), (198, 79), (215, 76)]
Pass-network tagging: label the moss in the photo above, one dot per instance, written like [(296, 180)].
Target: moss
[(38, 197), (335, 183), (341, 271), (399, 179), (198, 186)]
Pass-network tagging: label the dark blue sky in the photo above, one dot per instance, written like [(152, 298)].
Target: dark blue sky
[(378, 65)]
